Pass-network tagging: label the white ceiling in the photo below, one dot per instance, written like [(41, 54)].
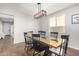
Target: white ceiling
[(32, 8)]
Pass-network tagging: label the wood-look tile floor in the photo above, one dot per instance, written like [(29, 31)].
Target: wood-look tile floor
[(7, 48)]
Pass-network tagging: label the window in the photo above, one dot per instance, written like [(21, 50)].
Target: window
[(57, 24), (61, 20), (52, 22)]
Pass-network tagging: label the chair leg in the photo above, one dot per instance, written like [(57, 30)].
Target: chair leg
[(25, 48), (34, 53)]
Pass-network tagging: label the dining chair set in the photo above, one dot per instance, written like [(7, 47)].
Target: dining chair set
[(38, 47)]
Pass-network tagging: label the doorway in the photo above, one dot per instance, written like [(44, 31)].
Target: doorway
[(8, 28), (6, 31)]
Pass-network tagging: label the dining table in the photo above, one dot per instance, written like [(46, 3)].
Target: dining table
[(50, 43)]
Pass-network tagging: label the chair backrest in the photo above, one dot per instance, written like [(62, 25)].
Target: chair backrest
[(65, 44), (25, 34), (36, 36), (54, 34), (42, 34), (28, 40)]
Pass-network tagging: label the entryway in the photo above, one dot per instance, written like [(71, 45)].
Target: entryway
[(6, 31)]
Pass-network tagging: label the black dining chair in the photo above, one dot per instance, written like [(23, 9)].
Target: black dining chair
[(63, 48), (36, 36), (54, 35), (28, 41), (42, 34), (37, 46), (65, 44)]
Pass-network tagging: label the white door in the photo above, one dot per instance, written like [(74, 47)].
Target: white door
[(6, 28)]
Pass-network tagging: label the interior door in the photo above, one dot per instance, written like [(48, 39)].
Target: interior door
[(6, 28)]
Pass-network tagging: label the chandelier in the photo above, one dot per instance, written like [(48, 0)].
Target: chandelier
[(40, 12)]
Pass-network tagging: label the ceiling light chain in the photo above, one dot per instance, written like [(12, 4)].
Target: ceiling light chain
[(39, 6)]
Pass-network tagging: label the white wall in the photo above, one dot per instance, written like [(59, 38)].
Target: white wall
[(0, 28), (1, 33), (71, 29), (22, 22), (44, 25), (12, 29)]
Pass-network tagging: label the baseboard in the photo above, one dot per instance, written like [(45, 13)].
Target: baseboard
[(73, 48), (18, 42)]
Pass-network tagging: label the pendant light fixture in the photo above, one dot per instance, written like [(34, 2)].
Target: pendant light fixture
[(40, 12)]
